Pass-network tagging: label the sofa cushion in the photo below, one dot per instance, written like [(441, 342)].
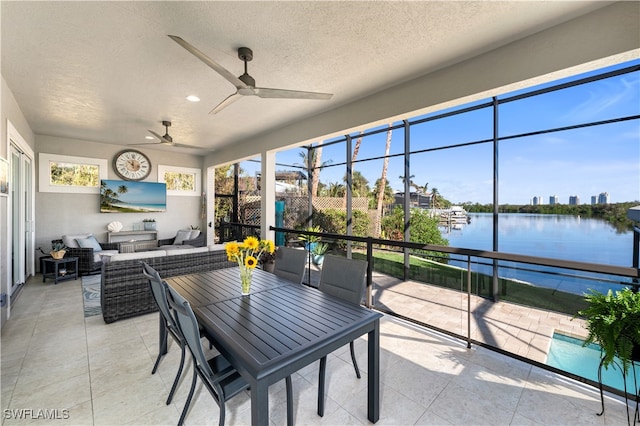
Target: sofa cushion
[(70, 240), (214, 247), (104, 255), (137, 255), (89, 242), (182, 235), (173, 252)]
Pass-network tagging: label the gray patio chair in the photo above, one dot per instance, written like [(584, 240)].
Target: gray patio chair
[(219, 377), (159, 292), (343, 278), (290, 264)]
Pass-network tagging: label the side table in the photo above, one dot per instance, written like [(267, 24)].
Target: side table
[(59, 269)]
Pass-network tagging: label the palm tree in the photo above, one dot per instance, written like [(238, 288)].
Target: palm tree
[(434, 197), (412, 184), (360, 184), (383, 184), (410, 179), (336, 189), (316, 166), (311, 161), (357, 147)]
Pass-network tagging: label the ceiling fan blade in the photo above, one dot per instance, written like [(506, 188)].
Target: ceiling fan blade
[(290, 94), (181, 145), (161, 138), (230, 99), (164, 141), (213, 65)]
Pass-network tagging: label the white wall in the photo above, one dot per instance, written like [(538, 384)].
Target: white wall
[(9, 111), (58, 214)]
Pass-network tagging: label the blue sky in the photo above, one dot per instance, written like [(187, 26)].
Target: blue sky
[(582, 162)]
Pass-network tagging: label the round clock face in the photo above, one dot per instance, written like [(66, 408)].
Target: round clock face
[(131, 165)]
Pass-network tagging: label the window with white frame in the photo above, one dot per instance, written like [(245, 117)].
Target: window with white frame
[(185, 181), (65, 173)]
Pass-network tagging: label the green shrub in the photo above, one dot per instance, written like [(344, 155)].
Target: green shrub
[(334, 221), (424, 230)]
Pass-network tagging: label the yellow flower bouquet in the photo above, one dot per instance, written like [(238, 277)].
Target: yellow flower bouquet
[(247, 254)]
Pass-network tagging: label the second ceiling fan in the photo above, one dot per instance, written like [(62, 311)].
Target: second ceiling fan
[(245, 84), (167, 139)]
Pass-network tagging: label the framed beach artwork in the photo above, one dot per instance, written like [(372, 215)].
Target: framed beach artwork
[(4, 177), (120, 196)]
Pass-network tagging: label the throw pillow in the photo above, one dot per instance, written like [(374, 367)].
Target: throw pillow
[(70, 240), (181, 236), (194, 234), (89, 242)]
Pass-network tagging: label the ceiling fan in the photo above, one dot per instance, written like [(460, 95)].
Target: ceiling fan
[(245, 84), (167, 139)]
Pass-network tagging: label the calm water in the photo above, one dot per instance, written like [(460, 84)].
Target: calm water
[(554, 236)]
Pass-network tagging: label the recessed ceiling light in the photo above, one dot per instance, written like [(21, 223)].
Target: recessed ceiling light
[(148, 137), (193, 98)]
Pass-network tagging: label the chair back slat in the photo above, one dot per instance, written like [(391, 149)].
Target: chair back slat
[(343, 278), (159, 292), (290, 264), (188, 325)]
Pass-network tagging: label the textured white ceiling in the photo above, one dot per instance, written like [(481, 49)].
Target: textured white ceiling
[(107, 72)]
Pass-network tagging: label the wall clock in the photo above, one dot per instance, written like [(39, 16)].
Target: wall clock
[(131, 165)]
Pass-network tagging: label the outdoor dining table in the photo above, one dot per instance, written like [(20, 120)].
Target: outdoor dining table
[(279, 328)]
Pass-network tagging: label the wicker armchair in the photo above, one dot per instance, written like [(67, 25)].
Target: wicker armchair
[(87, 263)]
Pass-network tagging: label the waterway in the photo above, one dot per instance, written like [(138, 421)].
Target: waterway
[(554, 236)]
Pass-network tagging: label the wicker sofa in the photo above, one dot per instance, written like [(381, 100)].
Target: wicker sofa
[(125, 291)]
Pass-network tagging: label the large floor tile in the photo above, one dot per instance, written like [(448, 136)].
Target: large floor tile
[(53, 357)]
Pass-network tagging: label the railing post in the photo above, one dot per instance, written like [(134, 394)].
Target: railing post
[(469, 302), (369, 301)]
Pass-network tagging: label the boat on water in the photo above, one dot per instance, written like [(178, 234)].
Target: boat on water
[(454, 215)]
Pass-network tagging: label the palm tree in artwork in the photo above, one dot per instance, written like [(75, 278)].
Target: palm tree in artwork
[(122, 189)]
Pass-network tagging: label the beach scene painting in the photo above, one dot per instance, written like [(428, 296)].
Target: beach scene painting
[(118, 196)]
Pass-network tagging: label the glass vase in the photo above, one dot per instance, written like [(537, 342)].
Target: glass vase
[(245, 280)]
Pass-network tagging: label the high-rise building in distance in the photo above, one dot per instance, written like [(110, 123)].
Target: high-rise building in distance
[(574, 200), (553, 199), (603, 198)]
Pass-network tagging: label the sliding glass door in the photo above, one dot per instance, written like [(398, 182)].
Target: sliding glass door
[(22, 216)]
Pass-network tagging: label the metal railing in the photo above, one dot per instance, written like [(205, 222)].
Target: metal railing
[(233, 231), (469, 281)]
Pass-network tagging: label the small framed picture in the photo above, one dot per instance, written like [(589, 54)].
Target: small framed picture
[(4, 177)]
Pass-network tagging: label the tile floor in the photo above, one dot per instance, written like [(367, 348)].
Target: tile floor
[(97, 374)]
